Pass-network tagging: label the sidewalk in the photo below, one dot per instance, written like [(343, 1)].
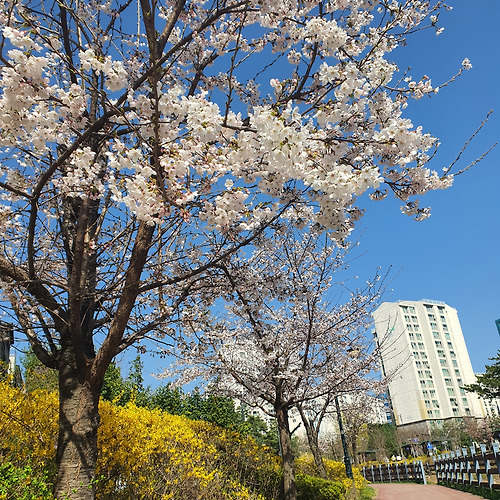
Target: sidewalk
[(409, 491)]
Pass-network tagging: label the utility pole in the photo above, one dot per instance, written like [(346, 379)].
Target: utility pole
[(347, 459)]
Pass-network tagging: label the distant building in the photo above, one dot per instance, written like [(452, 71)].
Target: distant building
[(497, 322), (424, 341)]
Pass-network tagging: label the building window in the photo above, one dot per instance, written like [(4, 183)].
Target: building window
[(414, 319), (447, 336), (411, 309), (451, 391), (431, 317), (433, 326), (438, 343), (457, 373), (436, 335), (443, 362), (448, 381), (450, 345), (443, 319), (455, 411), (446, 372)]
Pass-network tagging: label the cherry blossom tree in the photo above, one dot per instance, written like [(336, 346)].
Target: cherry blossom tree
[(144, 141), (283, 344)]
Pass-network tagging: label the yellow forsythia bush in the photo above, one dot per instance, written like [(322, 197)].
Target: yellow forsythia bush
[(335, 471), (144, 454), (28, 425)]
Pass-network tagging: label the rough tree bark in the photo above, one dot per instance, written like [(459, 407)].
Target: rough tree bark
[(289, 486), (78, 422)]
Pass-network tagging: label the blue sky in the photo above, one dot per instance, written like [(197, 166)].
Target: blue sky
[(454, 255)]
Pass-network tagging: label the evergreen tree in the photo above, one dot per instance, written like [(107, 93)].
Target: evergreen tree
[(488, 384)]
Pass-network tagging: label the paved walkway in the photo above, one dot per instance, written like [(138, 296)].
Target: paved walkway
[(409, 491)]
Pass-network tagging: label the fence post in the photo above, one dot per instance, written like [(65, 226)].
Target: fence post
[(477, 466), (447, 466), (474, 463), (423, 472), (397, 472), (464, 465)]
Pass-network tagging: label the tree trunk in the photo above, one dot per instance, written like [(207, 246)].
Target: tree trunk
[(289, 486), (77, 441), (312, 433), (312, 439)]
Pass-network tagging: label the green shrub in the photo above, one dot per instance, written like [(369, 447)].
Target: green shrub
[(315, 488), (475, 490), (23, 483)]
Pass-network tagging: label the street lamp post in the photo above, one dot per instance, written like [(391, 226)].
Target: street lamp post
[(347, 459)]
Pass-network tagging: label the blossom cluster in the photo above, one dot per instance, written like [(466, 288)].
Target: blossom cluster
[(333, 128)]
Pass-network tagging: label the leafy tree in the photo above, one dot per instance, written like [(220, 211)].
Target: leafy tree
[(37, 375), (382, 438), (113, 387), (487, 385), (451, 433), (168, 399), (145, 142)]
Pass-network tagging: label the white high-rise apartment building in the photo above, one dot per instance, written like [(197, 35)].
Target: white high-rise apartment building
[(424, 342)]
